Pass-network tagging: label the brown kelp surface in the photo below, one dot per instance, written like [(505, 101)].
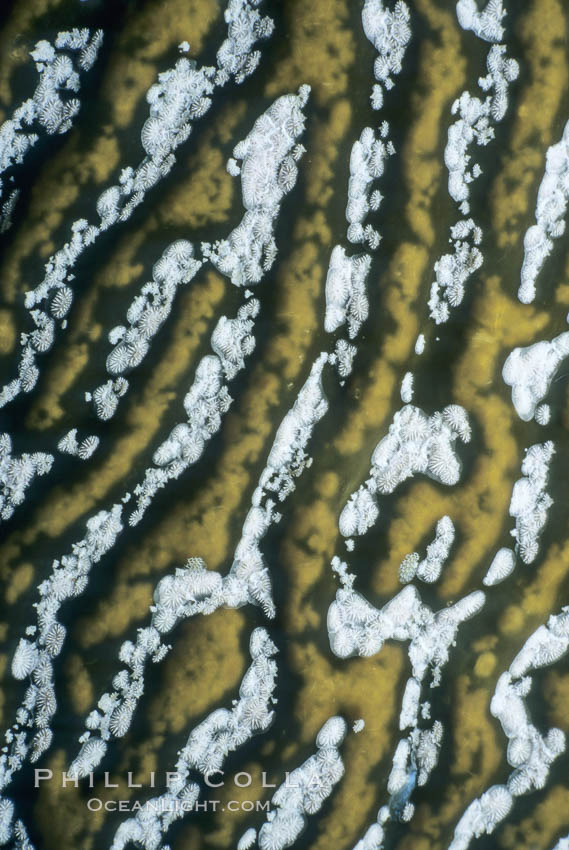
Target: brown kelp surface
[(200, 514)]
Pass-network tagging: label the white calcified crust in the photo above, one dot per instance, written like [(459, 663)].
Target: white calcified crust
[(550, 212), (452, 271), (355, 627), (367, 163), (264, 151), (245, 27), (346, 298), (181, 96), (529, 752), (17, 474), (530, 503), (248, 839), (543, 414), (232, 339), (530, 372), (429, 569), (106, 397), (407, 388), (474, 125), (8, 208), (503, 565), (35, 654), (416, 443), (207, 747), (145, 316), (206, 402), (373, 839), (288, 457), (486, 24), (343, 357), (249, 580), (194, 590), (409, 714), (482, 816), (47, 109), (268, 172), (190, 591), (390, 33), (70, 445), (314, 781)]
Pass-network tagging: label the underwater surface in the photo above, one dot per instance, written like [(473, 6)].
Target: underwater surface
[(284, 354)]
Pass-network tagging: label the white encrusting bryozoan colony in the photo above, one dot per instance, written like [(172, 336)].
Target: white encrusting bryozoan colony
[(52, 107), (145, 316), (474, 126), (17, 474), (503, 564), (355, 627), (180, 97), (346, 297), (416, 444), (429, 569), (31, 735), (530, 753), (207, 746), (303, 793), (530, 502), (194, 590), (531, 371), (529, 506), (245, 257), (70, 445), (550, 212)]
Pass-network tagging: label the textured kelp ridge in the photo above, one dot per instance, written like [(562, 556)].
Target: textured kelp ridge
[(241, 340)]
